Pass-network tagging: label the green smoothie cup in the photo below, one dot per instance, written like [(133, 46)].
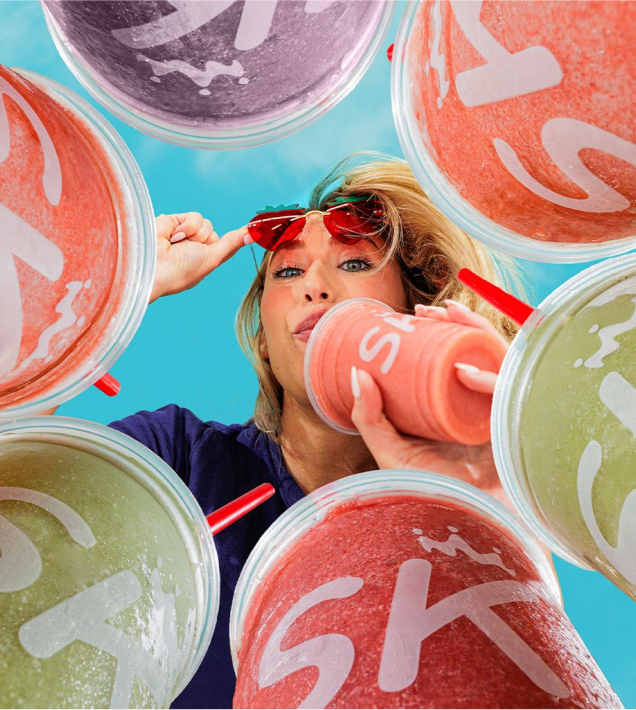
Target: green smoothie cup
[(109, 579), (564, 421)]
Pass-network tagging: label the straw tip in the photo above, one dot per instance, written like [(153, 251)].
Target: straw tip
[(108, 385)]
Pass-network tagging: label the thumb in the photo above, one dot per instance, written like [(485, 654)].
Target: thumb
[(380, 436), (222, 249)]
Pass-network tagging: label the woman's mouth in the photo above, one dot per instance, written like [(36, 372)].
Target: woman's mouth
[(304, 329)]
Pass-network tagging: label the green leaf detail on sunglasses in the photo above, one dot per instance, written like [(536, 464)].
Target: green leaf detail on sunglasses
[(280, 208), (349, 198)]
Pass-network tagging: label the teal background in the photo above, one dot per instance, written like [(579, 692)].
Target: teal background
[(185, 350)]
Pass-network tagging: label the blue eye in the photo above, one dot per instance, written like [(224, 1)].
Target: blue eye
[(287, 272), (355, 265)]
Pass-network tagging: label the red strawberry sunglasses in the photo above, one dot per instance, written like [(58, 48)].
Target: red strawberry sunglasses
[(347, 219)]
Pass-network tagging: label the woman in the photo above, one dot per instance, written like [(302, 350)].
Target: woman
[(408, 259)]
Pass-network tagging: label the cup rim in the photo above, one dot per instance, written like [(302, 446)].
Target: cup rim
[(311, 510), (139, 264), (223, 138), (507, 400), (448, 199), (98, 440)]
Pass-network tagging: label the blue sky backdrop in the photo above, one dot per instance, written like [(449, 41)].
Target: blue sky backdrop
[(185, 350)]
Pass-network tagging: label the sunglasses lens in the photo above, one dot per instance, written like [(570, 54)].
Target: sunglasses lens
[(348, 222), (271, 229)]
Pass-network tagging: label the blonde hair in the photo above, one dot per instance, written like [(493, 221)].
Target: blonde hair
[(429, 248)]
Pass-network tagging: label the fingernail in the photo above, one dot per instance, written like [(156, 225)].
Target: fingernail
[(355, 383), (439, 309), (178, 237), (458, 304), (465, 367), (247, 239)]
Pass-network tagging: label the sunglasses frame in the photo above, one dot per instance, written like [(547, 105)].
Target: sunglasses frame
[(293, 214)]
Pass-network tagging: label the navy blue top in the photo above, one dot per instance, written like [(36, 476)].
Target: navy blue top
[(218, 463)]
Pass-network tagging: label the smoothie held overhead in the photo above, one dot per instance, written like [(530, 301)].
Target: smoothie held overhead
[(216, 64), (55, 174), (541, 95), (406, 601), (98, 600), (577, 430)]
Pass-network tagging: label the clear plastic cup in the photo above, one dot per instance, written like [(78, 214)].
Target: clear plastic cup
[(79, 246), (412, 361), (314, 590), (492, 127), (109, 577), (220, 78), (564, 433)]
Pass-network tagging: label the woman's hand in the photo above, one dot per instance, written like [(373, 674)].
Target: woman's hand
[(390, 449), (188, 249)]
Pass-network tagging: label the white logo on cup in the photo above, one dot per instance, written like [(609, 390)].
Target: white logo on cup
[(19, 240), (332, 654), (254, 28), (619, 396), (369, 352), (83, 616), (410, 623), (508, 75)]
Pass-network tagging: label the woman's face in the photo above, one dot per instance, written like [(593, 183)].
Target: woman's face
[(309, 276)]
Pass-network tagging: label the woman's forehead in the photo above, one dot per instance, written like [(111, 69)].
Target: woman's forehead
[(303, 244)]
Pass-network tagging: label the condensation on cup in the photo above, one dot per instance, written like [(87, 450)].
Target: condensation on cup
[(518, 120), (564, 421), (109, 579), (218, 74), (405, 589), (77, 248)]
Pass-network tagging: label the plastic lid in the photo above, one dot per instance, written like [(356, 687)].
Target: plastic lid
[(495, 143), (218, 75), (68, 321)]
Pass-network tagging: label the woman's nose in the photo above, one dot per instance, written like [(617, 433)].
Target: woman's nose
[(316, 285)]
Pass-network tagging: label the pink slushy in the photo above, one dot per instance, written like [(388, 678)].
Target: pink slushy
[(412, 361), (527, 110)]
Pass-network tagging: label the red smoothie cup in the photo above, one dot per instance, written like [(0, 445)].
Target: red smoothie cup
[(412, 361), (405, 589), (518, 120), (77, 245)]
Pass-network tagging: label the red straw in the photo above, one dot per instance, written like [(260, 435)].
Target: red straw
[(516, 310), (389, 53), (226, 515), (108, 385)]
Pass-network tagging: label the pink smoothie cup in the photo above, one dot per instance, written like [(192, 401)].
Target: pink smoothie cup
[(398, 589), (517, 119), (412, 361), (77, 247)]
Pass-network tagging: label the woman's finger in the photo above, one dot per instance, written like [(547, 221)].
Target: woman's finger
[(476, 379), (164, 224), (205, 232), (433, 312), (380, 436), (459, 313), (187, 227), (222, 249), (214, 237)]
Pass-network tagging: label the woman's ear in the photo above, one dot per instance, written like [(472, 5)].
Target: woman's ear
[(263, 350)]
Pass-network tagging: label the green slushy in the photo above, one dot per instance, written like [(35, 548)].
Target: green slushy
[(576, 398), (97, 586)]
